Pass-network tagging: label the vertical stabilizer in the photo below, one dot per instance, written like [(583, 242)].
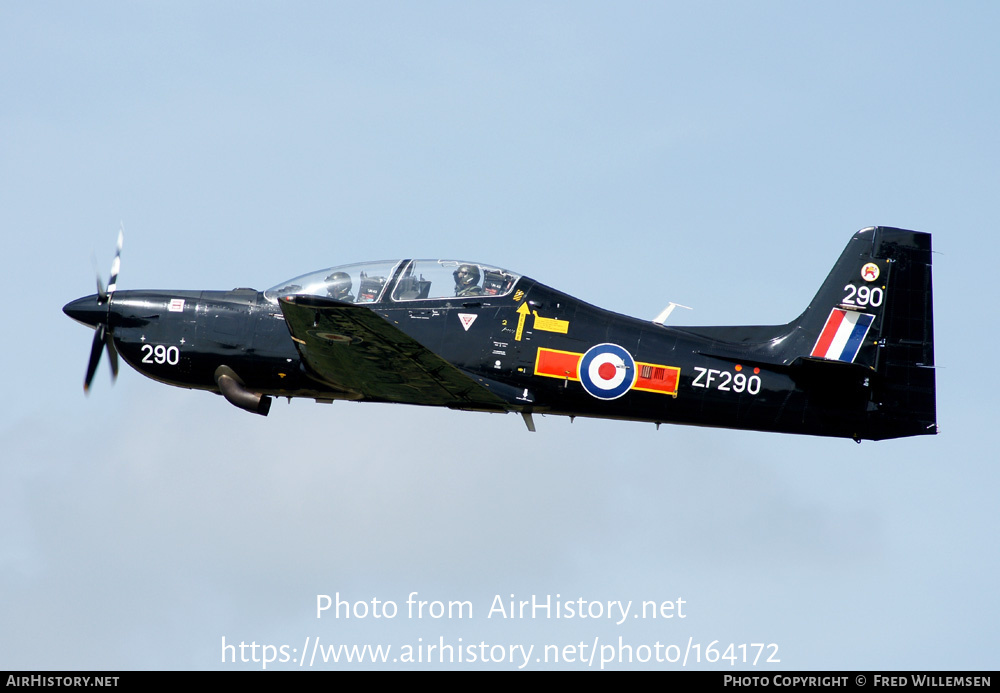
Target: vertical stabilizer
[(875, 310)]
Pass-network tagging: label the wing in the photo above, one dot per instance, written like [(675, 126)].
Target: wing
[(353, 349)]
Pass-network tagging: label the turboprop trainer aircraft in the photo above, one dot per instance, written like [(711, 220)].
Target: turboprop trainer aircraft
[(857, 363)]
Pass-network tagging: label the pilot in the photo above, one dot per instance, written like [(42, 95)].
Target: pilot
[(338, 287), (467, 281)]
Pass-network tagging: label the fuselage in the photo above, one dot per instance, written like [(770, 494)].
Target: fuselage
[(858, 362), (536, 345)]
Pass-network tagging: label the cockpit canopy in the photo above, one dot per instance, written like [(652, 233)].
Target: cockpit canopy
[(400, 280)]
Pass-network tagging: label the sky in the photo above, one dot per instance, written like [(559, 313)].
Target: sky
[(719, 155)]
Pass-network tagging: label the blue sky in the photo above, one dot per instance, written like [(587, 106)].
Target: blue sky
[(719, 155)]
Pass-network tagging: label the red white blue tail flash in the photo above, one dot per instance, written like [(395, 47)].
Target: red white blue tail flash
[(843, 335)]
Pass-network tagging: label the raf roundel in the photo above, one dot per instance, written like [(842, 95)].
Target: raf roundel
[(607, 371)]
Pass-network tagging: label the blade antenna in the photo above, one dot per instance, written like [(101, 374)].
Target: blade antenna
[(665, 313)]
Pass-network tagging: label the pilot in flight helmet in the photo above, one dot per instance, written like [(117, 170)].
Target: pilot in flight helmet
[(338, 287), (467, 280)]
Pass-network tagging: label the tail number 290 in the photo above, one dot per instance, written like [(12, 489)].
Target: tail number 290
[(863, 296)]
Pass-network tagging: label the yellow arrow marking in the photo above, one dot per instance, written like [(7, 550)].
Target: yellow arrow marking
[(522, 313)]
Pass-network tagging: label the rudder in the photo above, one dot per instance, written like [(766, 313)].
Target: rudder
[(904, 393)]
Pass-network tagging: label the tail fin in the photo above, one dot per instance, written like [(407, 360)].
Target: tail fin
[(862, 353), (875, 310)]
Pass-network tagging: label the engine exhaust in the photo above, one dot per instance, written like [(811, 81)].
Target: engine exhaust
[(236, 394)]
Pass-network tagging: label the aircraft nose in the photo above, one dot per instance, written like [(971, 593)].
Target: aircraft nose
[(87, 310)]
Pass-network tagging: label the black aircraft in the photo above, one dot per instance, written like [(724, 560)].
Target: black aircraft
[(857, 363)]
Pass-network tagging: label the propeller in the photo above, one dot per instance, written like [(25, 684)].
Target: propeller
[(103, 338)]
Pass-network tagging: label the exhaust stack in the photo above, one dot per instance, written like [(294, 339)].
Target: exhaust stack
[(236, 394)]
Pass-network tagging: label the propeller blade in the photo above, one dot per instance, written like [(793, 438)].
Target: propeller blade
[(117, 262), (103, 339), (95, 356), (109, 342)]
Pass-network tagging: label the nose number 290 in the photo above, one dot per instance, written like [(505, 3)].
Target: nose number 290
[(161, 354)]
